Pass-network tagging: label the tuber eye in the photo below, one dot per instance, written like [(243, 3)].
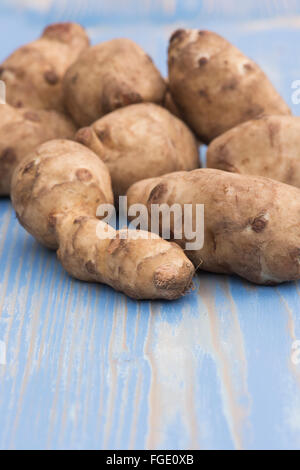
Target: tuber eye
[(178, 34), (202, 61), (51, 77), (259, 224), (83, 174), (28, 167)]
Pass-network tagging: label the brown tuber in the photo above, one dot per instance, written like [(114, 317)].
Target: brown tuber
[(56, 191), (215, 86), (33, 73), (140, 141), (21, 131), (109, 76), (251, 224), (269, 146)]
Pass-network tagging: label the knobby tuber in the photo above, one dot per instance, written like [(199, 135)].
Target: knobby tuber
[(109, 76), (21, 131), (33, 73), (215, 86), (140, 141), (269, 146), (56, 191), (251, 224)]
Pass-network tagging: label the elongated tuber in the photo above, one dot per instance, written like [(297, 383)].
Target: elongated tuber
[(215, 86), (140, 141), (251, 224), (56, 191)]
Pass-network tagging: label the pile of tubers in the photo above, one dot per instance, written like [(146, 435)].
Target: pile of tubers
[(85, 124)]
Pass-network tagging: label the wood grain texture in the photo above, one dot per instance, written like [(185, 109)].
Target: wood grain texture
[(162, 10), (87, 368)]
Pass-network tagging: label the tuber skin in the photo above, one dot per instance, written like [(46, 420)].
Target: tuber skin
[(170, 104), (109, 76), (251, 225), (33, 73), (269, 146), (215, 86), (56, 191), (140, 141), (21, 130)]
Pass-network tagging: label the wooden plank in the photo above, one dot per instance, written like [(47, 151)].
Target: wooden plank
[(88, 368)]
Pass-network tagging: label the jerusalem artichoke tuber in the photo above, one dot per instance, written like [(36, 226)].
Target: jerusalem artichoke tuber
[(108, 76), (21, 130), (268, 146), (56, 191), (33, 73), (140, 141), (215, 86), (251, 224)]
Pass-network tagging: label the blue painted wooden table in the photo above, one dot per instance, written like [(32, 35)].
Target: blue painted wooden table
[(88, 368)]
